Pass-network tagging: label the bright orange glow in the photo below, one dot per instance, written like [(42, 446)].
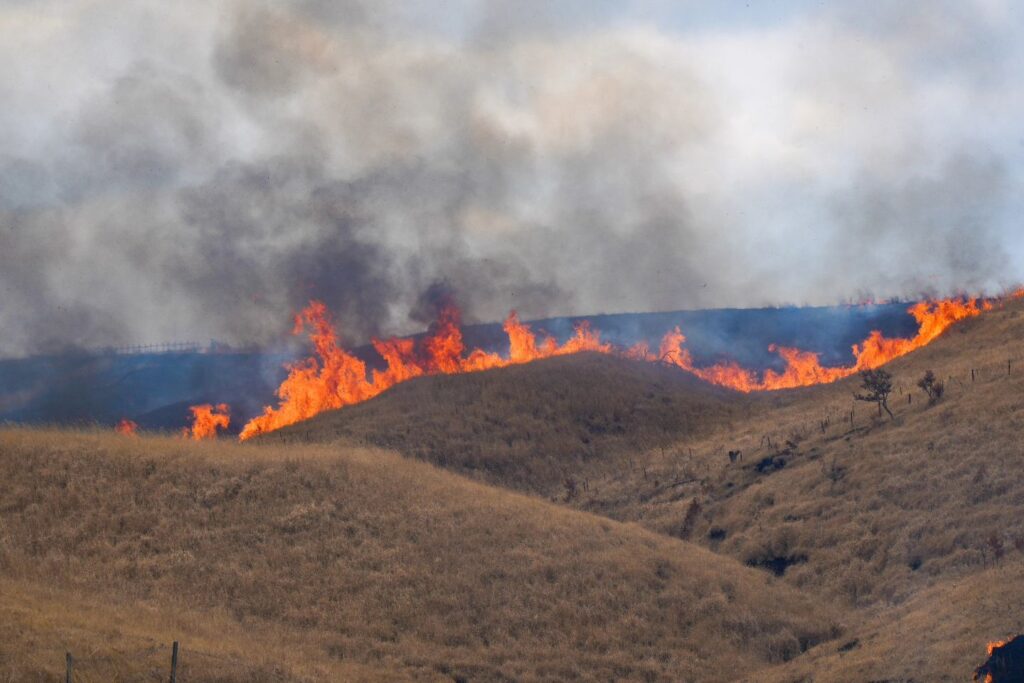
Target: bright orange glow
[(804, 368), (206, 420), (993, 645), (333, 378), (126, 427)]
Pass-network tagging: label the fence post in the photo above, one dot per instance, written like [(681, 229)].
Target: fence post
[(174, 662), (69, 668)]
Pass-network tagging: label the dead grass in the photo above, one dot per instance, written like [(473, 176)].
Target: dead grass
[(878, 517), (532, 426), (938, 635), (347, 562), (332, 562)]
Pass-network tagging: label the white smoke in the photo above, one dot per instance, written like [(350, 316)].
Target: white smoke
[(194, 169)]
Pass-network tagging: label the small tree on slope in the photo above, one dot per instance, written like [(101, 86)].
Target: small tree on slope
[(877, 385)]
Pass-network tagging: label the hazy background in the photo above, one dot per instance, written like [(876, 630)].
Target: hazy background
[(198, 169)]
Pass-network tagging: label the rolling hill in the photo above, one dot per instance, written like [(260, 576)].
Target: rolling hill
[(892, 520), (592, 526), (308, 563), (533, 426)]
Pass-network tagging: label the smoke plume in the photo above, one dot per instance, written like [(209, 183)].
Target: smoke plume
[(196, 170)]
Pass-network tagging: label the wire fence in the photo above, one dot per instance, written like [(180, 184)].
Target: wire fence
[(165, 347), (156, 663)]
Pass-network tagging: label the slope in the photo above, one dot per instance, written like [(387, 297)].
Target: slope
[(353, 564), (891, 520), (533, 427)]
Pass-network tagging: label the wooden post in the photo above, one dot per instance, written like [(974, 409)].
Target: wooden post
[(174, 662), (972, 374), (69, 668)]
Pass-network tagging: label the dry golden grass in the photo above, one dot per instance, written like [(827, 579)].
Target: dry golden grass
[(934, 636), (530, 426), (116, 640), (313, 563), (889, 520), (896, 519)]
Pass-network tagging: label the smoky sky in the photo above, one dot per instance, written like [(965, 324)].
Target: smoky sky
[(197, 170)]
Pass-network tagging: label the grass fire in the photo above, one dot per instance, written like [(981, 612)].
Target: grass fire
[(500, 342), (333, 378)]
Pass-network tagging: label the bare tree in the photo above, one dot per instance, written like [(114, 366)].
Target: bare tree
[(877, 385)]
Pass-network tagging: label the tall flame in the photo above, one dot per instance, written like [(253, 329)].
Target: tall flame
[(206, 420), (333, 378)]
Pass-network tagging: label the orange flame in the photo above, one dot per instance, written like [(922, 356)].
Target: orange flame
[(126, 427), (995, 644), (206, 420), (333, 378), (804, 368)]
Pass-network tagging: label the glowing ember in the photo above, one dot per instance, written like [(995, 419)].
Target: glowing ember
[(126, 427), (206, 420), (333, 378)]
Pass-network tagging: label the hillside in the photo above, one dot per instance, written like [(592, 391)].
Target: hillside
[(895, 521), (304, 563), (531, 426), (903, 523)]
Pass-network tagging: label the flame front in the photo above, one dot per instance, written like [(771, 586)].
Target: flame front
[(804, 368), (206, 420), (126, 427), (333, 378)]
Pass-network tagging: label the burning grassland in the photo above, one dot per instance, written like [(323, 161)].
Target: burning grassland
[(206, 420), (333, 377)]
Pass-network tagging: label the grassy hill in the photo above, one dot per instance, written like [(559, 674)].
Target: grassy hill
[(531, 426), (842, 546), (307, 563), (895, 521)]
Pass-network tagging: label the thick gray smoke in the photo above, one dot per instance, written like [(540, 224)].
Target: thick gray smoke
[(198, 170)]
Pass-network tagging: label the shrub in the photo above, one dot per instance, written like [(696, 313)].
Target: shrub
[(933, 387)]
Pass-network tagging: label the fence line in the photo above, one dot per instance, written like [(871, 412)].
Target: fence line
[(70, 660)]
